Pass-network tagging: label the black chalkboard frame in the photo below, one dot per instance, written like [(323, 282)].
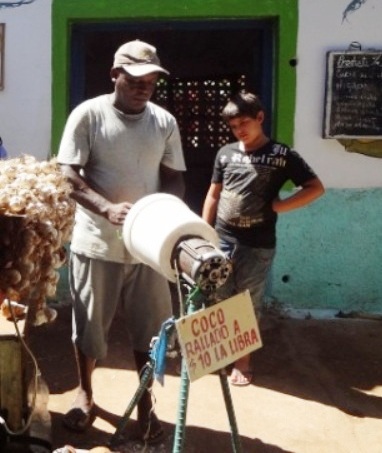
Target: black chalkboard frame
[(353, 95)]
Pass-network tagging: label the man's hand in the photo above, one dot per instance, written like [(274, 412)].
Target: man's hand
[(116, 213)]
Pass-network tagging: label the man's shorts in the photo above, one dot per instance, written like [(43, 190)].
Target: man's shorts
[(98, 287)]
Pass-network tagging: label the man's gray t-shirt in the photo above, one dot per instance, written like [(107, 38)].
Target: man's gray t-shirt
[(120, 155)]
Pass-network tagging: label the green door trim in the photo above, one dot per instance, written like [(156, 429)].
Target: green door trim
[(284, 14)]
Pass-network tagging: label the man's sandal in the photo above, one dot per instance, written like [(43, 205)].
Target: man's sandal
[(78, 420), (151, 430)]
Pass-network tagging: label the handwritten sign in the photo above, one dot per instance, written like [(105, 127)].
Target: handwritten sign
[(353, 98), (212, 338)]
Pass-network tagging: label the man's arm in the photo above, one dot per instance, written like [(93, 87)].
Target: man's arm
[(211, 203), (310, 191), (89, 199), (172, 181)]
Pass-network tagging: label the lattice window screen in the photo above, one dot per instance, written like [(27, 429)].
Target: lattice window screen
[(197, 105)]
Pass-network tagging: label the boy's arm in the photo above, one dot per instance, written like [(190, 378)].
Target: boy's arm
[(310, 191), (211, 203)]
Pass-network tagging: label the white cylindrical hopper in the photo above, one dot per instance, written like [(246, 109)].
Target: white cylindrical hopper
[(155, 225)]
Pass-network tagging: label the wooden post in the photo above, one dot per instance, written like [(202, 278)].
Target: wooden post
[(11, 374)]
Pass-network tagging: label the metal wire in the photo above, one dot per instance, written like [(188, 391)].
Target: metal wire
[(37, 373)]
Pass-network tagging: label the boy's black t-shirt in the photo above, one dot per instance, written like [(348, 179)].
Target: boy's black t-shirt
[(251, 181)]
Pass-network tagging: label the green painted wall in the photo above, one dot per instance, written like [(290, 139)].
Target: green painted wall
[(284, 13), (329, 254)]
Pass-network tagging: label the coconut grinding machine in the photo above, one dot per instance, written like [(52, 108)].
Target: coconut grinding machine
[(163, 233)]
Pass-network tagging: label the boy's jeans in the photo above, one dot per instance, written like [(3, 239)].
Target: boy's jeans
[(251, 267)]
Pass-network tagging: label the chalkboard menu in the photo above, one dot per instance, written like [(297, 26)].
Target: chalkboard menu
[(353, 97)]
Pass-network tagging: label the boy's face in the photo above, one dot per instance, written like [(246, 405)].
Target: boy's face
[(247, 130)]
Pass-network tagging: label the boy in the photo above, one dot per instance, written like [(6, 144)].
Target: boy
[(243, 202)]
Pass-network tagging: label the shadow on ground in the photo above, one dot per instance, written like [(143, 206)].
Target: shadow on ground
[(333, 362)]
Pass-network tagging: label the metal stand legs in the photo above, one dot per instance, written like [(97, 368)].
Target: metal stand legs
[(179, 437), (143, 385)]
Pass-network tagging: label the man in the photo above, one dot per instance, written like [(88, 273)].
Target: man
[(244, 201), (117, 148)]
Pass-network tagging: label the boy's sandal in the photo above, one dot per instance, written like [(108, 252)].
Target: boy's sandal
[(241, 378)]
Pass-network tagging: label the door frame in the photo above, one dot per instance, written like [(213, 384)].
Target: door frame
[(283, 13)]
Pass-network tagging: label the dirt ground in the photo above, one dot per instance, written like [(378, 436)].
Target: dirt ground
[(317, 389)]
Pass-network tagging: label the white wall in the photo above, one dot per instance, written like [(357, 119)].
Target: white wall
[(321, 29), (25, 102)]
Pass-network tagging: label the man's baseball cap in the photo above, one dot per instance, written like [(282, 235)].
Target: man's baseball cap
[(138, 59)]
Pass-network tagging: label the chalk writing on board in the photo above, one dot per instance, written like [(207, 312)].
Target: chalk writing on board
[(353, 98)]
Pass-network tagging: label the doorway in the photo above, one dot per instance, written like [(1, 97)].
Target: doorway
[(208, 60)]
